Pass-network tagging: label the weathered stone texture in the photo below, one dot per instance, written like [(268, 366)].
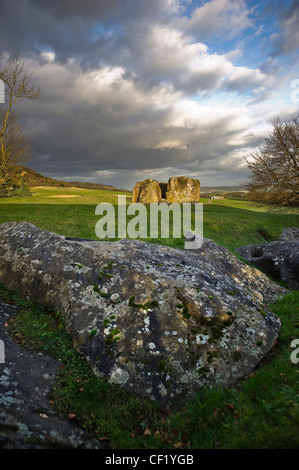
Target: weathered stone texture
[(27, 419), (279, 259), (182, 189), (179, 189), (147, 192), (158, 321)]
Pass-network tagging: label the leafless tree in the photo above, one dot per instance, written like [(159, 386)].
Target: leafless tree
[(274, 166), (14, 148)]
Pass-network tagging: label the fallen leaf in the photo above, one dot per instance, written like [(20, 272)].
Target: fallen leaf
[(42, 415), (71, 415), (52, 402), (178, 445)]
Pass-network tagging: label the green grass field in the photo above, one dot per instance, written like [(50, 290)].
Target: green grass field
[(260, 412), (71, 212)]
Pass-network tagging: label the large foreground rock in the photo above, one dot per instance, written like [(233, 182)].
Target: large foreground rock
[(279, 259), (27, 418), (158, 321)]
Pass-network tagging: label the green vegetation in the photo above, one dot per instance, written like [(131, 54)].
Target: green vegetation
[(261, 412), (230, 222)]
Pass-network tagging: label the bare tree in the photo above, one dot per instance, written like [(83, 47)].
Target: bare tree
[(274, 166), (14, 148)]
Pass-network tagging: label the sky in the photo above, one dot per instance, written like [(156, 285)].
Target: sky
[(137, 89)]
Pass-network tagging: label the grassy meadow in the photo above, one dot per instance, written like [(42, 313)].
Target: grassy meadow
[(261, 412), (71, 212)]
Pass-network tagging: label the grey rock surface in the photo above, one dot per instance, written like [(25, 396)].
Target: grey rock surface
[(279, 259), (27, 419), (158, 321), (290, 234)]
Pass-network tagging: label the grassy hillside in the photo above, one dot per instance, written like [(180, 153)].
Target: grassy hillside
[(71, 212), (260, 412), (35, 179)]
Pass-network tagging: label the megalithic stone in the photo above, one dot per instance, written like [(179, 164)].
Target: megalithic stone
[(158, 321)]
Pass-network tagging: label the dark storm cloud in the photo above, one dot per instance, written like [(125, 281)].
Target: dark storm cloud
[(286, 41), (129, 89), (86, 29)]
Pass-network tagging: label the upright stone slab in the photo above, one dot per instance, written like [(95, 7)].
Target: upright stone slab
[(147, 192), (157, 321), (183, 189)]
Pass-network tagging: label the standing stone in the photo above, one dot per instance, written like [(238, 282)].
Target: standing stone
[(147, 192), (179, 189), (182, 189)]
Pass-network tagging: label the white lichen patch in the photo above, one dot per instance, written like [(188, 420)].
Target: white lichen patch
[(47, 279), (119, 376), (225, 341), (36, 261), (162, 390), (68, 268), (146, 323), (201, 339), (114, 297), (91, 298)]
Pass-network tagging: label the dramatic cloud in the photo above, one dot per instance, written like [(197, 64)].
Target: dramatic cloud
[(141, 89), (218, 17), (286, 39)]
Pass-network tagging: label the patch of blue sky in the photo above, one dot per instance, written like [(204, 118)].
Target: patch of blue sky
[(254, 39), (225, 98), (104, 31)]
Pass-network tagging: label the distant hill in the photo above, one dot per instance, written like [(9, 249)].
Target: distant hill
[(222, 189), (35, 179)]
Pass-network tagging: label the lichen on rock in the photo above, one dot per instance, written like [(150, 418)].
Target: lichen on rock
[(196, 318)]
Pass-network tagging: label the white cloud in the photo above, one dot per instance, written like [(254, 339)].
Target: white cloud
[(218, 16), (147, 95), (108, 119)]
